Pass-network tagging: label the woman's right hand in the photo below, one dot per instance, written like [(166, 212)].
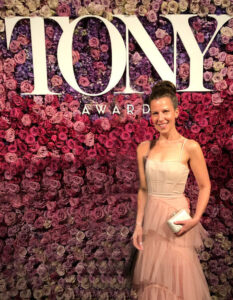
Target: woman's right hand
[(137, 237)]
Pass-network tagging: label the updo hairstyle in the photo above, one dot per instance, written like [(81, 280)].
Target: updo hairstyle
[(164, 88)]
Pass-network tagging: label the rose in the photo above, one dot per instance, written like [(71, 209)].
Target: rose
[(9, 65), (11, 84), (26, 86), (221, 85), (63, 10), (160, 33), (230, 89), (26, 120), (216, 99), (151, 16), (229, 60), (93, 42), (142, 80), (207, 76), (208, 63), (95, 53), (14, 46), (75, 56), (11, 157), (200, 37), (213, 51), (184, 71), (10, 218), (159, 44), (56, 80), (83, 81)]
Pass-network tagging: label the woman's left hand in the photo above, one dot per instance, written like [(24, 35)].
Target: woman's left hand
[(187, 225)]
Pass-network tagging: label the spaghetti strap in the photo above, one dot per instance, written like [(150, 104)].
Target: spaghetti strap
[(184, 141)]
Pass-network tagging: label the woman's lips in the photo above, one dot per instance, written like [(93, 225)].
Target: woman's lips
[(162, 125)]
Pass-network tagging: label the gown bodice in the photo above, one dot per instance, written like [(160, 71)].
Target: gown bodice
[(166, 178)]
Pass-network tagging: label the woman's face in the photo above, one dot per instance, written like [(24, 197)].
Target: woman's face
[(163, 114)]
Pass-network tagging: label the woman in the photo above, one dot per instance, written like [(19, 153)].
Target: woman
[(167, 265)]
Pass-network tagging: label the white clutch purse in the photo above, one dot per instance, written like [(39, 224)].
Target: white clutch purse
[(179, 216)]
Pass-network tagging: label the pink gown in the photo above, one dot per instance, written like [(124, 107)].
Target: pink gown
[(168, 268)]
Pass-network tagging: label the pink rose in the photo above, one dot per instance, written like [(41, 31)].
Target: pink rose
[(11, 157), (63, 10), (56, 80), (49, 31), (95, 53), (160, 33), (52, 59), (229, 59), (221, 85), (26, 86), (93, 42), (200, 37), (159, 44), (225, 39), (104, 48), (10, 218), (14, 46), (184, 71), (83, 81), (11, 84), (26, 120), (10, 135), (213, 51), (151, 16), (57, 118), (208, 63), (230, 89), (75, 56), (222, 56), (20, 57), (23, 40), (9, 65), (142, 80), (207, 75)]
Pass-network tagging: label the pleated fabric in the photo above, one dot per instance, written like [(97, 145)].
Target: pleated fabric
[(169, 268)]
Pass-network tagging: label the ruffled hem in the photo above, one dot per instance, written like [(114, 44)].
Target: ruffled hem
[(168, 267)]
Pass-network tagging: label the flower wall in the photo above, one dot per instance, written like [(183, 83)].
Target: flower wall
[(69, 181)]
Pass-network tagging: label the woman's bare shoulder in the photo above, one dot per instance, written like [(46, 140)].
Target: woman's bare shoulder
[(192, 145), (143, 147)]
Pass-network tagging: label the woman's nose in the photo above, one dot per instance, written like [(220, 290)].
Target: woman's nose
[(160, 116)]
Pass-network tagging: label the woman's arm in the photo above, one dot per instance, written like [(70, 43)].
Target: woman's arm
[(199, 168), (142, 191)]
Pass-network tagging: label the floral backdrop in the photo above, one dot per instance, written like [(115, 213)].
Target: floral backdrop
[(69, 181)]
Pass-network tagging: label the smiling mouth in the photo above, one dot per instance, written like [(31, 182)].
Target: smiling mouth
[(162, 125)]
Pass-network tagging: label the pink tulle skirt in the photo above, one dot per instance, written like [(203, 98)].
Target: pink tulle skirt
[(168, 267)]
